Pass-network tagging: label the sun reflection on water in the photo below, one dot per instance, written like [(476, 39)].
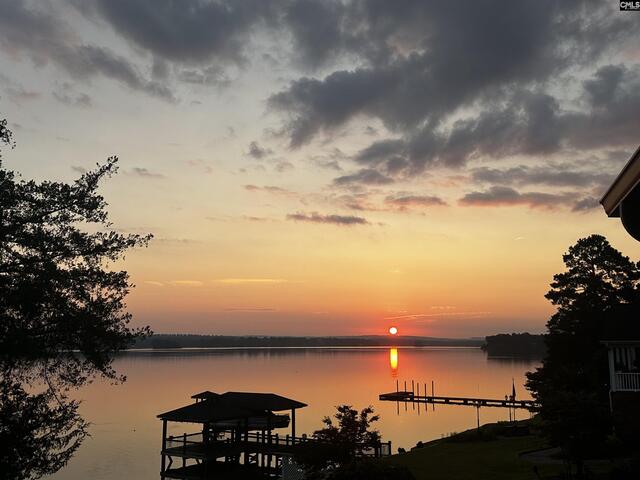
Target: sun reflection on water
[(393, 361)]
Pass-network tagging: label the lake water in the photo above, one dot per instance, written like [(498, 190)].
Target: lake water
[(125, 434)]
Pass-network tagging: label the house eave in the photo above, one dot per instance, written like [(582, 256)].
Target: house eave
[(625, 183)]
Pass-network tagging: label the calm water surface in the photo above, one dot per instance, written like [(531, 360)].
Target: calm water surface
[(125, 435)]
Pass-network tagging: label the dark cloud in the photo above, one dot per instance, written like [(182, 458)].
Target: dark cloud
[(42, 37), (586, 204), (317, 28), (560, 175), (506, 196), (269, 189), (330, 160), (145, 173), (366, 176), (524, 123), (187, 31), (430, 58), (407, 202), (258, 152), (500, 196), (328, 164), (345, 220), (210, 76)]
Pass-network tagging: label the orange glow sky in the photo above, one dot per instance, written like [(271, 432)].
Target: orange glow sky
[(301, 188)]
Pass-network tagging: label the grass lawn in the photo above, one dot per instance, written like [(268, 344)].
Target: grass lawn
[(464, 458)]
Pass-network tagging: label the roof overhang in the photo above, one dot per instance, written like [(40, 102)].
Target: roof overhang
[(623, 197), (622, 186), (621, 343)]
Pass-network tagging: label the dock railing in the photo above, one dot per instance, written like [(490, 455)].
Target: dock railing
[(188, 440), (627, 382)]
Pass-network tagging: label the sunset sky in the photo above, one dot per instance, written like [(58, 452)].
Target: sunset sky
[(333, 167)]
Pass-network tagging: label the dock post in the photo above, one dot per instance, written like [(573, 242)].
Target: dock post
[(184, 449), (405, 395), (433, 394), (163, 462), (293, 426), (413, 395)]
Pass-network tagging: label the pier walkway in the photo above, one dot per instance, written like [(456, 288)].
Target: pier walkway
[(408, 396)]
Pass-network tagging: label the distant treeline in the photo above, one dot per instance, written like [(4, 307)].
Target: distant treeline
[(515, 345), (212, 341)]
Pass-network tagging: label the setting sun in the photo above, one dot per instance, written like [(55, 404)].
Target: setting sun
[(393, 330)]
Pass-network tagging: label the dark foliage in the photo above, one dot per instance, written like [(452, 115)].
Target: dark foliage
[(572, 384), (365, 470), (6, 136), (342, 442), (515, 345), (57, 295), (62, 312), (211, 341)]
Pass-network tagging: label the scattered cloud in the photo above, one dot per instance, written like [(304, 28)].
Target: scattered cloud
[(418, 316), (366, 176), (559, 175), (250, 309), (20, 95), (186, 283), (500, 196), (283, 166), (258, 152), (67, 95), (345, 220), (407, 202), (259, 281), (145, 173), (270, 189), (586, 204)]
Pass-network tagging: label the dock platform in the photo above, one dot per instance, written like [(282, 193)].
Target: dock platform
[(408, 396)]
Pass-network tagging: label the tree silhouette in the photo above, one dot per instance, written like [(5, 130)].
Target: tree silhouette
[(62, 311), (340, 443), (572, 384), (58, 297)]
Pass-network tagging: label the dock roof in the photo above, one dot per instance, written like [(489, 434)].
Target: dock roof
[(206, 412), (262, 401), (215, 407)]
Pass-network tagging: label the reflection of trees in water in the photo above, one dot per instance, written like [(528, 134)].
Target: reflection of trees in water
[(39, 429)]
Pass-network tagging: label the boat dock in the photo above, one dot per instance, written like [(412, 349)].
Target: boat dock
[(411, 397)]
